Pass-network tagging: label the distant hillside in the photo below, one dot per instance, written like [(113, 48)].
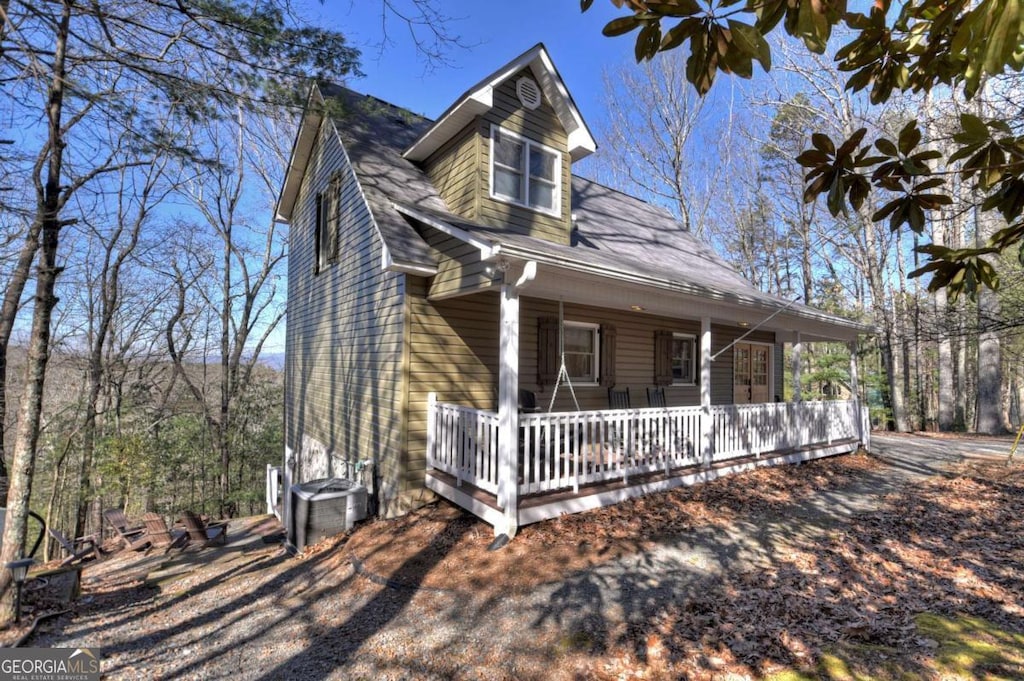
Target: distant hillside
[(274, 360)]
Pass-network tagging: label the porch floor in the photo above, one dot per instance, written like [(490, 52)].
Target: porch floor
[(544, 505)]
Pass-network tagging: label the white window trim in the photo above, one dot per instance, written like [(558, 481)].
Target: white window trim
[(693, 357), (524, 172), (595, 330)]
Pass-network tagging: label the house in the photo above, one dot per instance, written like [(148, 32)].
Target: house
[(462, 309)]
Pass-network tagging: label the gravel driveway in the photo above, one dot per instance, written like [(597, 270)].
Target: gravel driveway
[(254, 613)]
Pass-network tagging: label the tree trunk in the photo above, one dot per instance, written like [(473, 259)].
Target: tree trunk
[(947, 393), (31, 407), (8, 315), (989, 413)]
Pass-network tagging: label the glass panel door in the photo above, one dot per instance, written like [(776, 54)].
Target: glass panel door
[(741, 373)]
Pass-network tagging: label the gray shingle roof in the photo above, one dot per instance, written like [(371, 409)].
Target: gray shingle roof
[(614, 231), (374, 134)]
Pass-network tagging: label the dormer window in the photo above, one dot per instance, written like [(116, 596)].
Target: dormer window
[(525, 172)]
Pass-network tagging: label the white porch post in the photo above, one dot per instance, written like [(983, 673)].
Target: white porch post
[(508, 411), (797, 437), (706, 429), (798, 348), (855, 390)]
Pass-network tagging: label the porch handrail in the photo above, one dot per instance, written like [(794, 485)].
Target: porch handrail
[(566, 450), (463, 442)]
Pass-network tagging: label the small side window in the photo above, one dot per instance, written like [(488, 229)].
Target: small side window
[(327, 224)]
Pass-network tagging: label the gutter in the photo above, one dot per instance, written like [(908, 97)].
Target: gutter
[(676, 286)]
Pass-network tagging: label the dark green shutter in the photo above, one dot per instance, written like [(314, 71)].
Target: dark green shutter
[(608, 334), (662, 358), (548, 361)]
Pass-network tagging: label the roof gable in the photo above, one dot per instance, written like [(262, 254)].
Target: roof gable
[(480, 98)]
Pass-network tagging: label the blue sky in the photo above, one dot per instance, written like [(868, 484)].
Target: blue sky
[(495, 32)]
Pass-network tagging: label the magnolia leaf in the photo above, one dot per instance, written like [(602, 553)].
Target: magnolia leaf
[(886, 147), (621, 26), (852, 143), (973, 129), (648, 41), (685, 29), (929, 184), (679, 8), (909, 137), (751, 42), (859, 190), (813, 157), (823, 142)]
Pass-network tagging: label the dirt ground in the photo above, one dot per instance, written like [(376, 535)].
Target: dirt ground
[(749, 576)]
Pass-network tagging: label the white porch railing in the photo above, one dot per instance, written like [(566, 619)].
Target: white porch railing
[(273, 489), (569, 449), (742, 430), (463, 442), (564, 450)]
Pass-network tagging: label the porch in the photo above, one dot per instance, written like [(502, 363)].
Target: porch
[(566, 462)]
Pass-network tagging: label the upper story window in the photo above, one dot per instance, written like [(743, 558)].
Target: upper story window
[(525, 172)]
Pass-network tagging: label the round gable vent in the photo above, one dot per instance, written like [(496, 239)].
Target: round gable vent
[(528, 92)]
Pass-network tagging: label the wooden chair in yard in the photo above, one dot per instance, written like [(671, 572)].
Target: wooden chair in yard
[(78, 549), (133, 537), (204, 533), (160, 536)]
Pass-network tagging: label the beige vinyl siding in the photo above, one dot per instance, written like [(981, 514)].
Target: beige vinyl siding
[(540, 125), (453, 351), (453, 171), (459, 267), (634, 361), (344, 338), (461, 168)]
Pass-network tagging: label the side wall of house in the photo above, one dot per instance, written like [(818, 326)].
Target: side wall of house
[(453, 351), (344, 341)]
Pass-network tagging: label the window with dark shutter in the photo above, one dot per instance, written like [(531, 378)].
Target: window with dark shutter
[(683, 359), (320, 238), (674, 358)]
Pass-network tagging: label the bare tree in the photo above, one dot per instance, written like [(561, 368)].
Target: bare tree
[(131, 60), (655, 141)]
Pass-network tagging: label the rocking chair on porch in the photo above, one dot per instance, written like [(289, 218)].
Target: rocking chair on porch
[(618, 399), (656, 398)]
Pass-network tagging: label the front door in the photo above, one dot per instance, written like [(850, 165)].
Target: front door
[(750, 373)]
